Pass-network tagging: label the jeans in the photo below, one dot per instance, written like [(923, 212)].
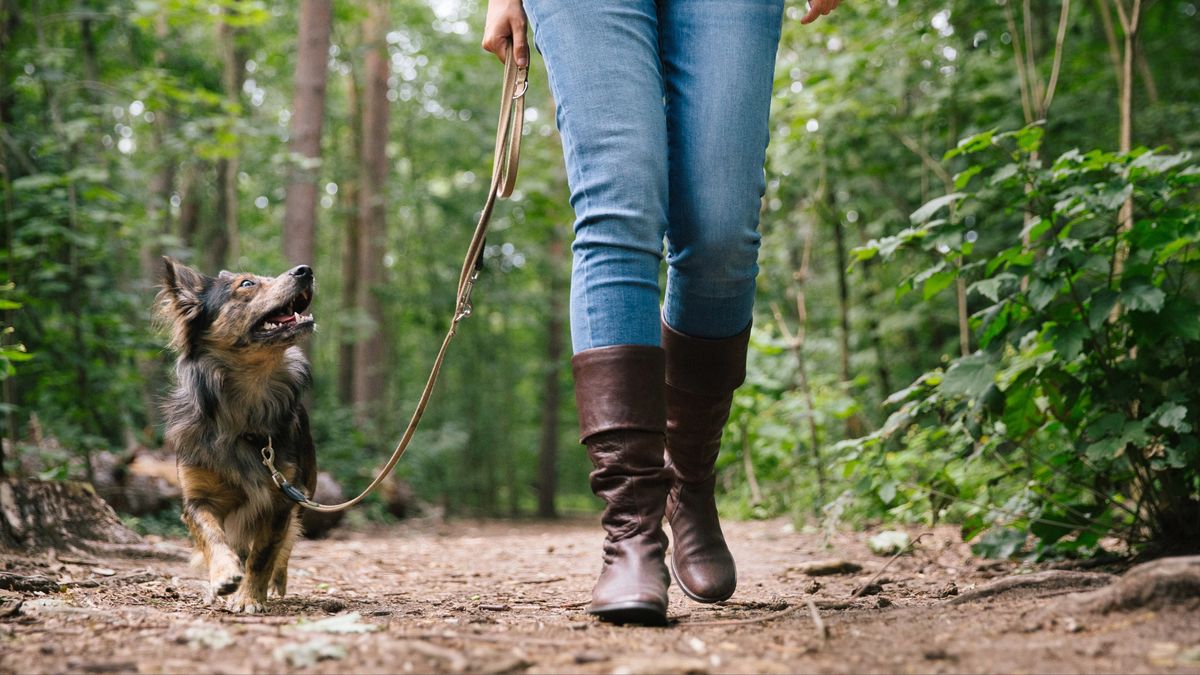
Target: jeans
[(663, 108)]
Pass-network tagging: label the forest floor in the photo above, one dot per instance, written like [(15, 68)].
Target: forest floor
[(499, 597)]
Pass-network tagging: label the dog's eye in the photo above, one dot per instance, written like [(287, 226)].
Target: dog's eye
[(246, 283)]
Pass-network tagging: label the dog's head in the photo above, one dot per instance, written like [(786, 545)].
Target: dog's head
[(234, 312)]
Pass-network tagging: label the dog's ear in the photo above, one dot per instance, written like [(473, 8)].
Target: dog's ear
[(225, 275), (182, 286), (179, 302)]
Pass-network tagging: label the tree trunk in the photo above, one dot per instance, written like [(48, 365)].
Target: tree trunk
[(369, 366), (308, 111), (227, 167), (349, 195), (548, 449), (158, 215), (38, 514)]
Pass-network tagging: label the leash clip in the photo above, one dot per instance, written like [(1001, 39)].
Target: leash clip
[(464, 303), (268, 455)]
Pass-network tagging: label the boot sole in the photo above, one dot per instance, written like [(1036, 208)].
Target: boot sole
[(643, 613), (700, 598)]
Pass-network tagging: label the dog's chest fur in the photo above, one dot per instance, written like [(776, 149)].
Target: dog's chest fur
[(215, 406)]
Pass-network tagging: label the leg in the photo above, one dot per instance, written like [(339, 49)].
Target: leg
[(621, 420), (206, 501), (719, 61), (279, 578), (267, 544), (718, 69), (604, 70), (602, 58)]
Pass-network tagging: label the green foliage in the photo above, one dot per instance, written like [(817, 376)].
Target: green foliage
[(1081, 397)]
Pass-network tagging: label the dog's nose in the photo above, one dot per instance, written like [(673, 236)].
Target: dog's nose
[(302, 272)]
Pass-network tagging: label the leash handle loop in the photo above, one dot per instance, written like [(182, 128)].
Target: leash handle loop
[(505, 159)]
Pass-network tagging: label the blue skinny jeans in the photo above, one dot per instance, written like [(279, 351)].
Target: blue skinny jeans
[(662, 107)]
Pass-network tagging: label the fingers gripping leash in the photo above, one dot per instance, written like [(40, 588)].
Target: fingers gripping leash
[(504, 175)]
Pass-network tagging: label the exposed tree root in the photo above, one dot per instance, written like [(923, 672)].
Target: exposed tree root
[(1153, 585), (1051, 580)]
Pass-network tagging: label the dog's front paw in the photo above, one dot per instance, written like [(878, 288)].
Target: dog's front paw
[(227, 583), (245, 603), (225, 575)]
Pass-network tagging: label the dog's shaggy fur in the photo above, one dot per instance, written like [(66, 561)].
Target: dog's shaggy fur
[(239, 378)]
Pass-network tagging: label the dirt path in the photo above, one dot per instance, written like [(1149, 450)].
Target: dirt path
[(509, 597)]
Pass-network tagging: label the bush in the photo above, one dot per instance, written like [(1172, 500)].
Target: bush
[(1080, 405)]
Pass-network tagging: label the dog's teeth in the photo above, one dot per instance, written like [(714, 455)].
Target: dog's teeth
[(296, 317)]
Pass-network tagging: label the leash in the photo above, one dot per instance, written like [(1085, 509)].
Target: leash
[(504, 176)]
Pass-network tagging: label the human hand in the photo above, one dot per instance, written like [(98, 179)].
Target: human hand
[(816, 9), (506, 19)]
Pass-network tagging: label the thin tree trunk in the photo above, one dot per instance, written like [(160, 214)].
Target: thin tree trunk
[(369, 366), (227, 167), (158, 213), (547, 481), (839, 245), (189, 208), (1130, 20), (756, 496), (349, 194), (308, 111), (9, 23), (795, 343)]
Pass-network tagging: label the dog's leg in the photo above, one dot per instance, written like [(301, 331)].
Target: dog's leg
[(222, 564), (205, 503), (260, 565), (279, 578)]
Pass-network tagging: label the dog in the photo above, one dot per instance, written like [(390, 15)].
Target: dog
[(239, 380)]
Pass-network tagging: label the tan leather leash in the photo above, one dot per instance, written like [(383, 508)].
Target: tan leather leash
[(504, 176)]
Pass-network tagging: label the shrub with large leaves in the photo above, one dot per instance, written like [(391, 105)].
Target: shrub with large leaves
[(1081, 395)]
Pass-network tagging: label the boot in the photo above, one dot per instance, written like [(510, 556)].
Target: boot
[(701, 376), (622, 419)]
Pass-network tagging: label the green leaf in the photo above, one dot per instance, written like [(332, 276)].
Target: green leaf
[(970, 376), (1143, 298), (938, 283), (999, 543), (1042, 292), (962, 179), (1068, 339), (933, 206), (1106, 449), (1004, 173), (970, 144), (1101, 306), (992, 288), (1029, 139), (887, 491), (1173, 416), (1156, 164)]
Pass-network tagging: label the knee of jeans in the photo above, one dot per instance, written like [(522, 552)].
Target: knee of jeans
[(718, 252)]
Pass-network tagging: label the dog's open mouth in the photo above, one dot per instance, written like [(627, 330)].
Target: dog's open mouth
[(288, 317)]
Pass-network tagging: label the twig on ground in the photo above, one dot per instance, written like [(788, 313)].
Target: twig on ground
[(859, 591), (540, 581), (517, 639), (822, 629)]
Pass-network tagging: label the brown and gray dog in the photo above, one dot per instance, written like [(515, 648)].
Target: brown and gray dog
[(239, 379)]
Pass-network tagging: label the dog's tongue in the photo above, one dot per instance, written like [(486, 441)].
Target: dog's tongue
[(284, 318)]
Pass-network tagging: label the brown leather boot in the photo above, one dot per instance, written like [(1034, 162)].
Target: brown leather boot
[(622, 418), (701, 376)]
